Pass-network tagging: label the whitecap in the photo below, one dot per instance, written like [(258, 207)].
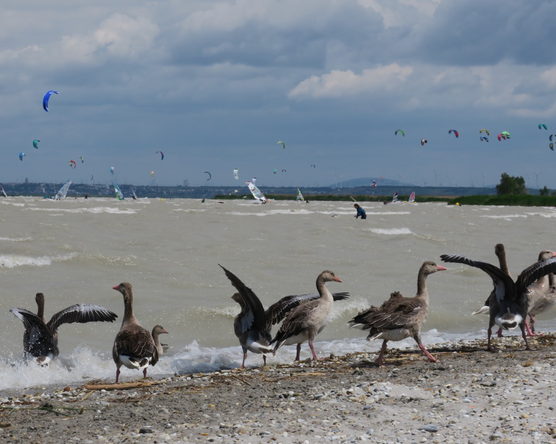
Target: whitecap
[(12, 261), (391, 231)]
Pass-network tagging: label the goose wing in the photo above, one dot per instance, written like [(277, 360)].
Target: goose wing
[(534, 272), (396, 312), (503, 284), (255, 314), (279, 310), (80, 313), (296, 321), (136, 343), (37, 339)]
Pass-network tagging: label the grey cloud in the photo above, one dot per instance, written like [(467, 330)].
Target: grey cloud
[(476, 32)]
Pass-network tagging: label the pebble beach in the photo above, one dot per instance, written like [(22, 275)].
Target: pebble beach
[(469, 396)]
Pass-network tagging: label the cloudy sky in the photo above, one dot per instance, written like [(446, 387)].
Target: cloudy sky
[(216, 84)]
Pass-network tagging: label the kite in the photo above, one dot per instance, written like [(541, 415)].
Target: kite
[(283, 144), (399, 131), (161, 155), (551, 137), (210, 175), (46, 98), (36, 143), (454, 131), (483, 138), (72, 164), (82, 160), (236, 173), (542, 125), (485, 130), (21, 156), (423, 141), (112, 170), (152, 173)]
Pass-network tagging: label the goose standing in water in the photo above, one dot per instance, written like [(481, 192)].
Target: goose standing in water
[(508, 304), (158, 330), (253, 324), (40, 339), (134, 347), (399, 317), (307, 320)]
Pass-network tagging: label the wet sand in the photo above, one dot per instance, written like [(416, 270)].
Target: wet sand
[(470, 396)]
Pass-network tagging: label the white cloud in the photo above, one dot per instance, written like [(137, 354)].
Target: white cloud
[(126, 36), (348, 84)]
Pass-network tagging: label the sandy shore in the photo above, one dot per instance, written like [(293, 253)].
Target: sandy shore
[(470, 396)]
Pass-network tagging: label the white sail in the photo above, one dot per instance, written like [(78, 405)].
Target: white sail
[(4, 193), (299, 195), (118, 192), (395, 197), (61, 194), (257, 194), (412, 198)]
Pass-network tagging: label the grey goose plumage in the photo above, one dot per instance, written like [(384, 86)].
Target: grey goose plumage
[(307, 320), (40, 339), (253, 324), (509, 295), (134, 346), (399, 317)]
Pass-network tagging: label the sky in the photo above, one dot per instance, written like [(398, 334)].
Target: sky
[(216, 85)]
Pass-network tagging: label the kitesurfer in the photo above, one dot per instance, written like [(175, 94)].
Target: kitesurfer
[(360, 212)]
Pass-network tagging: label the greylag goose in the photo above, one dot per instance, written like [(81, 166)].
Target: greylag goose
[(536, 292), (307, 320), (540, 294), (158, 330), (508, 306), (40, 339), (500, 253), (134, 346), (253, 324), (399, 317)]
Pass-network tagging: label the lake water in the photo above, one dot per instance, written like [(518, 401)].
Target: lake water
[(76, 250)]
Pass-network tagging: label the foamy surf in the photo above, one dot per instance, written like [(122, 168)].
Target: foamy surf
[(13, 261)]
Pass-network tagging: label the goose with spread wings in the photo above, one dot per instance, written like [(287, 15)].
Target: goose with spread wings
[(40, 339)]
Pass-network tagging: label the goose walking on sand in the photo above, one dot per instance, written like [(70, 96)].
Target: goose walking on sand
[(158, 330), (253, 324), (306, 321), (134, 347), (40, 339), (508, 304), (399, 317)]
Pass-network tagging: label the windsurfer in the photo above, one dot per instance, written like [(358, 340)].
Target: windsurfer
[(360, 212)]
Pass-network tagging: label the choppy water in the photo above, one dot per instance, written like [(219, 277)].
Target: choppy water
[(76, 250)]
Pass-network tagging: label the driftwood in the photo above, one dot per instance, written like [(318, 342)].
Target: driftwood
[(121, 386)]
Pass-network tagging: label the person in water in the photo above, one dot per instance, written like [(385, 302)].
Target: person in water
[(360, 212)]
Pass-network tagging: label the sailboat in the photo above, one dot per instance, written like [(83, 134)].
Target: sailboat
[(412, 198), (3, 192), (118, 192), (394, 199), (299, 196), (257, 194), (62, 192)]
